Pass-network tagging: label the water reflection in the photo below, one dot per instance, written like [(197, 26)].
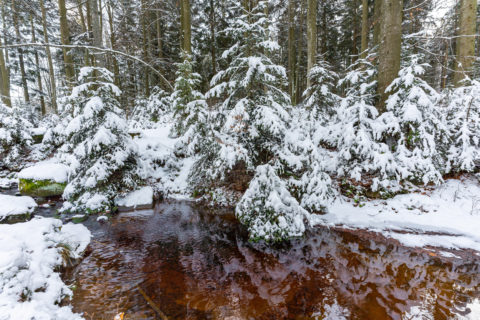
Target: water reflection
[(198, 265)]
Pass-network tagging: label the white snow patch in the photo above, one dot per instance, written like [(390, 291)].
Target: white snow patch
[(11, 205), (29, 253), (141, 197), (45, 171), (452, 211)]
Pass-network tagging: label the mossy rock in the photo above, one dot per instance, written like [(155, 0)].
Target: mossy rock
[(41, 188), (16, 218), (79, 218)]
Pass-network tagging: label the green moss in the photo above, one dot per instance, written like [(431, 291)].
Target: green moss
[(79, 218), (16, 218), (41, 188)]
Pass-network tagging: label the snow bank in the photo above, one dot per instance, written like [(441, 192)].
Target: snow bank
[(138, 198), (29, 254), (447, 216), (45, 171), (11, 206)]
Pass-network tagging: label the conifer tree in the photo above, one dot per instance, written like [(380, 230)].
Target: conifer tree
[(464, 127), (415, 124), (102, 154)]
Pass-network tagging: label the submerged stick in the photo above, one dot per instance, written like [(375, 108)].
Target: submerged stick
[(152, 304)]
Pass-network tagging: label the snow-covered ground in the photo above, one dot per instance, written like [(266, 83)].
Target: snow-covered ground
[(11, 205), (447, 216), (30, 288)]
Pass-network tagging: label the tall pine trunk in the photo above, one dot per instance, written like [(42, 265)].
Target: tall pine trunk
[(311, 36), (4, 80), (39, 75), (21, 61), (465, 43), (51, 74), (364, 45), (65, 39), (96, 31), (291, 51), (186, 27), (390, 47)]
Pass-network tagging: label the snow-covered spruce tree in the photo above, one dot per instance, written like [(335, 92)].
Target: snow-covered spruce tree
[(320, 98), (361, 155), (414, 126), (253, 120), (15, 137), (269, 210), (101, 154), (253, 113), (464, 127), (149, 111), (189, 108)]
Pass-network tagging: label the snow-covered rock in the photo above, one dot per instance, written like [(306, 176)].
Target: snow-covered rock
[(43, 179), (45, 171), (15, 209), (136, 200), (30, 288)]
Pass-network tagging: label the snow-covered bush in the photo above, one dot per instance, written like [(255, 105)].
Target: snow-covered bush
[(253, 112), (99, 150), (148, 112), (464, 127), (413, 125), (15, 137), (268, 209)]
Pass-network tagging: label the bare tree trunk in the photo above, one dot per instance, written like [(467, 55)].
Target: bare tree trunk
[(377, 22), (465, 43), (212, 37), (301, 22), (291, 52), (364, 46), (26, 96), (145, 47), (65, 39), (159, 35), (390, 47), (187, 27), (96, 31), (355, 30), (39, 76), (116, 71), (84, 28), (311, 36), (4, 80), (49, 58)]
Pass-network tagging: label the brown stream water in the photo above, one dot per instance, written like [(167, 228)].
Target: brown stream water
[(197, 264)]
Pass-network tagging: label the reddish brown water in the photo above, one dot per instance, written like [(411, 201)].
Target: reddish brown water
[(194, 264)]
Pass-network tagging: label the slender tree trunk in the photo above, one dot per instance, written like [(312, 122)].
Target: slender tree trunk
[(116, 70), (377, 22), (364, 46), (96, 30), (355, 30), (311, 36), (159, 36), (39, 76), (145, 47), (49, 58), (291, 52), (4, 80), (65, 39), (465, 43), (187, 27), (212, 37), (301, 22), (26, 95), (390, 47)]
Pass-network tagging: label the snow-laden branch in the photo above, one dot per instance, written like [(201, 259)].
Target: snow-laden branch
[(81, 46)]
